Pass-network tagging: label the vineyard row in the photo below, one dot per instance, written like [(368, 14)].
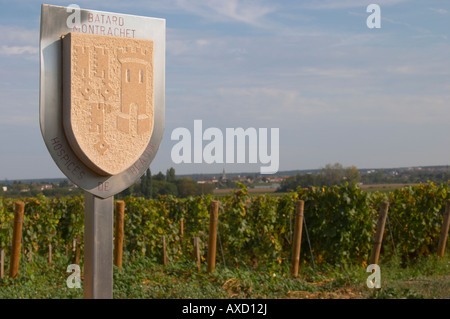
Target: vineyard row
[(340, 225)]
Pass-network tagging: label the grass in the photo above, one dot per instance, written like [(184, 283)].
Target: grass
[(142, 277), (384, 188)]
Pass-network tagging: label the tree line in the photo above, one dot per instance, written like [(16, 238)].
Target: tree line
[(336, 174), (331, 174), (150, 186)]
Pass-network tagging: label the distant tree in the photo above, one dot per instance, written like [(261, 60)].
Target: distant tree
[(64, 183), (170, 175), (329, 175), (164, 188), (187, 187), (299, 180), (332, 174), (126, 192), (205, 188), (352, 175), (145, 186), (378, 177), (150, 183), (159, 177)]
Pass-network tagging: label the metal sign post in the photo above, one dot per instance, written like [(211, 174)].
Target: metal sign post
[(101, 113), (98, 247)]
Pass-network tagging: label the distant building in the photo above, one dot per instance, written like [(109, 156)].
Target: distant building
[(244, 179), (46, 186), (208, 181), (224, 177)]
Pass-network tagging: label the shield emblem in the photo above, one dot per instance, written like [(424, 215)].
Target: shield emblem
[(101, 124), (108, 99)]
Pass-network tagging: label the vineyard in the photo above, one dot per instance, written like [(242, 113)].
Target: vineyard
[(253, 231)]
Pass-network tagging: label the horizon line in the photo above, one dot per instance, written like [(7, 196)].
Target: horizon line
[(247, 172)]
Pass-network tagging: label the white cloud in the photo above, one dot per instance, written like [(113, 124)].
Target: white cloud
[(246, 11), (343, 72), (250, 12), (271, 104), (17, 35), (202, 42), (428, 68), (17, 40), (18, 120), (17, 50), (440, 11), (418, 109), (334, 4)]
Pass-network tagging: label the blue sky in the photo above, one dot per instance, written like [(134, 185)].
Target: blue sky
[(337, 90)]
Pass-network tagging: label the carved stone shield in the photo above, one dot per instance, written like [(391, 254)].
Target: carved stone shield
[(105, 129), (107, 99)]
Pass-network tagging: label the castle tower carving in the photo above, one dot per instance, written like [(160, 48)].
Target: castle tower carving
[(134, 90)]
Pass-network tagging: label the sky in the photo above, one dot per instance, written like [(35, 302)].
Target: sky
[(337, 90)]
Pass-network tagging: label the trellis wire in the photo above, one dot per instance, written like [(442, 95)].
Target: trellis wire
[(309, 242), (220, 244), (23, 251), (392, 237)]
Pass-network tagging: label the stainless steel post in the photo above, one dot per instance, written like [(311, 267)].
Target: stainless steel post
[(98, 247)]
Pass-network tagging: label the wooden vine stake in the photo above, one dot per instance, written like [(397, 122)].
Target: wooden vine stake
[(379, 234), (118, 238), (164, 251), (181, 230), (16, 240), (78, 251), (49, 254), (196, 252), (2, 263), (212, 239), (444, 230), (300, 204)]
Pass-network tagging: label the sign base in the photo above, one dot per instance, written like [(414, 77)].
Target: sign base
[(98, 247)]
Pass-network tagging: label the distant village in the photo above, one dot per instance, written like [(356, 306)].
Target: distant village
[(366, 176), (64, 187), (259, 181)]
